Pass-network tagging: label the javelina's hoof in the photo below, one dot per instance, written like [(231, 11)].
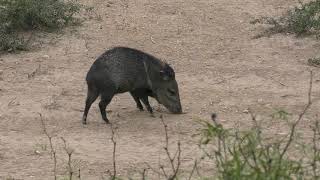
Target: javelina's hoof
[(106, 121), (84, 120), (140, 107)]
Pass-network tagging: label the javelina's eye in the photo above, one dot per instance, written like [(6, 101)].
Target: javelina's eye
[(171, 92)]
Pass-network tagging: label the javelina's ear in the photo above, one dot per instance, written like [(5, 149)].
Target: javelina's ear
[(164, 75)]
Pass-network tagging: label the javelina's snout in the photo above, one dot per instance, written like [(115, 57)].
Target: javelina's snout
[(177, 110), (174, 108)]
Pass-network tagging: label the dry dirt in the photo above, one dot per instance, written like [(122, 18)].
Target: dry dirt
[(220, 68)]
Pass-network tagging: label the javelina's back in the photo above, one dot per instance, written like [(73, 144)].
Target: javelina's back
[(122, 66)]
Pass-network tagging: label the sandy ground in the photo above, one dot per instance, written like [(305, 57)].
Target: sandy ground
[(220, 68)]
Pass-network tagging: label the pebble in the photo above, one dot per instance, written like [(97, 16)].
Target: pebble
[(37, 152), (282, 133)]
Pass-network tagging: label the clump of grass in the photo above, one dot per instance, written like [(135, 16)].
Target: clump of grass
[(24, 15), (302, 20)]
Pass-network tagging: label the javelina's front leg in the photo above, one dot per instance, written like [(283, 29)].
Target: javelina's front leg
[(145, 101), (137, 100)]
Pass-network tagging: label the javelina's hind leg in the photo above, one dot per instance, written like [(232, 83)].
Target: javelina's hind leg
[(105, 100), (92, 95), (137, 100), (145, 101)]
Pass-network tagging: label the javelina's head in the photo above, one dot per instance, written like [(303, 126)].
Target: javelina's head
[(167, 92)]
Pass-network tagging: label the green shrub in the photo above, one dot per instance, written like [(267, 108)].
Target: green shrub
[(300, 20), (244, 155), (11, 42), (304, 19), (249, 155), (24, 15)]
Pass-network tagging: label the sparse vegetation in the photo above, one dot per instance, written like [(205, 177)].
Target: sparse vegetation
[(303, 19), (245, 155), (70, 167), (314, 62), (24, 15), (249, 155)]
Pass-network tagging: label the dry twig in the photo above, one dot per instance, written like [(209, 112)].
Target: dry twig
[(175, 168), (316, 150), (293, 128), (53, 152), (114, 174), (144, 174), (195, 165), (69, 153)]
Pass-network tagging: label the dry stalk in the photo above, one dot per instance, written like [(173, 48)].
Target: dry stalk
[(114, 174), (79, 174), (316, 150), (69, 153), (152, 169), (175, 168), (52, 150), (293, 128), (195, 165), (144, 174)]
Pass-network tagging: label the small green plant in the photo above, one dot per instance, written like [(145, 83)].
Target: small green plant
[(314, 62), (24, 15), (39, 148), (281, 114)]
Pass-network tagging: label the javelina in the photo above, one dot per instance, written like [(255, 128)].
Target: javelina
[(123, 69)]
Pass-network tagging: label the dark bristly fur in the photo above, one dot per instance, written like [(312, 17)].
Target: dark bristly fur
[(123, 69)]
